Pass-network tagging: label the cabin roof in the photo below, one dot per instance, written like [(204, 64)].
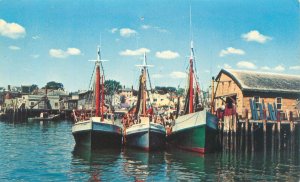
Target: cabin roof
[(263, 82)]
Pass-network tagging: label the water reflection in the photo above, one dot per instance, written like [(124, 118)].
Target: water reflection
[(45, 152), (260, 156), (142, 165), (97, 165)]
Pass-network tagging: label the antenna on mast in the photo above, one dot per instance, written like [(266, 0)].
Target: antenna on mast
[(144, 65), (192, 56), (191, 32)]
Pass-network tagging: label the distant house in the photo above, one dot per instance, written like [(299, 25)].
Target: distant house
[(239, 86), (85, 100), (127, 92), (159, 100)]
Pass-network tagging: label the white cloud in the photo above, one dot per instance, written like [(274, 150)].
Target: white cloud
[(295, 67), (206, 71), (127, 32), (167, 54), (246, 64), (136, 52), (157, 75), (178, 74), (254, 35), (35, 56), (73, 51), (265, 68), (11, 30), (58, 53), (231, 50), (113, 30), (279, 68), (226, 66), (15, 48), (145, 27), (157, 28), (35, 37)]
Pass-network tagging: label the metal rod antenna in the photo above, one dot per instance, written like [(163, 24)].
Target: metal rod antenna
[(191, 32)]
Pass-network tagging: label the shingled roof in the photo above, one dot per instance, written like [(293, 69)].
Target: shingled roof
[(263, 82)]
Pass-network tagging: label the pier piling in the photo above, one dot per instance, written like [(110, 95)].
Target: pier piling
[(265, 121), (278, 122), (247, 121)]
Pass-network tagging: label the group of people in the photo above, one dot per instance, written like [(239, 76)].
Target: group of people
[(165, 120)]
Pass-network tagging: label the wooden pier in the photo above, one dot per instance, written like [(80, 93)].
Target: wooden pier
[(22, 115)]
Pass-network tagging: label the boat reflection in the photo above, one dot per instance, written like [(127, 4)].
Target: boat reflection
[(185, 166), (141, 165), (95, 163)]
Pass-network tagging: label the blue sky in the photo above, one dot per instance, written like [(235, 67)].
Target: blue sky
[(42, 41)]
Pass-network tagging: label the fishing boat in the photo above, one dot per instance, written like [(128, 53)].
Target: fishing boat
[(196, 129), (142, 132), (97, 130)]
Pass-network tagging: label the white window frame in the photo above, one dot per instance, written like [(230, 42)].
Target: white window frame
[(278, 103), (256, 102)]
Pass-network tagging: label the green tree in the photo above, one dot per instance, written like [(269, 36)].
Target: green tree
[(112, 86), (33, 87), (180, 91), (164, 90), (54, 85)]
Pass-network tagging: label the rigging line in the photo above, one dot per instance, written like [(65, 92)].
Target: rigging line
[(148, 76), (149, 83), (102, 69), (90, 84)]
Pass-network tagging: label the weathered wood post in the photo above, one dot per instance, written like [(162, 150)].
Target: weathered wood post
[(247, 121), (234, 122), (278, 121), (291, 122), (273, 127), (265, 121)]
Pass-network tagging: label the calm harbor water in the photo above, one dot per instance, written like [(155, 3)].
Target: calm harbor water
[(46, 152)]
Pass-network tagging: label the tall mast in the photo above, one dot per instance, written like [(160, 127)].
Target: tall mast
[(97, 84), (143, 85), (191, 81), (102, 98)]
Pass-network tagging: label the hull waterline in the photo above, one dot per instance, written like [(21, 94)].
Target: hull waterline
[(197, 134), (97, 135), (146, 136)]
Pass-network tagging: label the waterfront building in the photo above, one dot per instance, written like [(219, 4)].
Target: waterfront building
[(160, 100), (239, 86), (39, 102)]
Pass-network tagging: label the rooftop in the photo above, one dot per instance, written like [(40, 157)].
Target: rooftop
[(261, 81)]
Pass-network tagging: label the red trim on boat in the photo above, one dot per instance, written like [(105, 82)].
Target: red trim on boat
[(193, 149), (146, 148)]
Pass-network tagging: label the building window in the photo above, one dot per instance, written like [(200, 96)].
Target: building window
[(56, 104), (31, 103), (154, 100), (256, 100), (278, 101)]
